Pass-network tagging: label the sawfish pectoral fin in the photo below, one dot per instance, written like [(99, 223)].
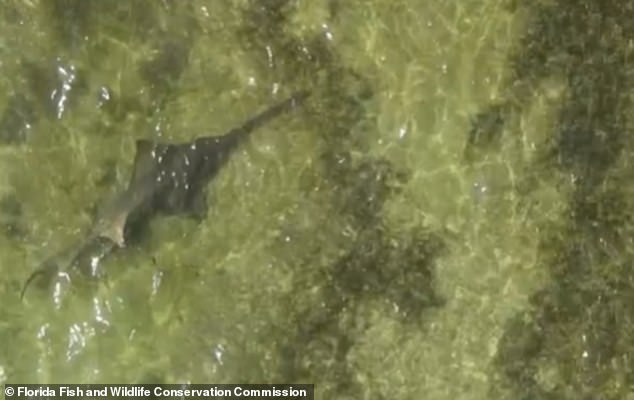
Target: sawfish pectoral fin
[(148, 156), (191, 202), (197, 206)]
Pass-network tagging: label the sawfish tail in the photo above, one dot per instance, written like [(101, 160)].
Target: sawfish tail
[(45, 273), (231, 139), (76, 261)]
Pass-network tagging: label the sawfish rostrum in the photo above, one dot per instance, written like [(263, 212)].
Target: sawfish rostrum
[(167, 178)]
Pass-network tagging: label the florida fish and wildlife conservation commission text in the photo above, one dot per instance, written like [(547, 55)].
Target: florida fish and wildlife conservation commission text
[(277, 391)]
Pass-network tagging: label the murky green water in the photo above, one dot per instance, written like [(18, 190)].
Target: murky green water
[(448, 217)]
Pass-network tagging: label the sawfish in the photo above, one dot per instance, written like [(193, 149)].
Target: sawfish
[(167, 178)]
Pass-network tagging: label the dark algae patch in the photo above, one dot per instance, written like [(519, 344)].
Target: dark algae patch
[(11, 221), (372, 266), (16, 120), (577, 339)]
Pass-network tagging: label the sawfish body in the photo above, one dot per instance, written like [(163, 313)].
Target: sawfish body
[(167, 178)]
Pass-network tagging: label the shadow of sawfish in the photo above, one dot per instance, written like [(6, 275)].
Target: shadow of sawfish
[(166, 178)]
